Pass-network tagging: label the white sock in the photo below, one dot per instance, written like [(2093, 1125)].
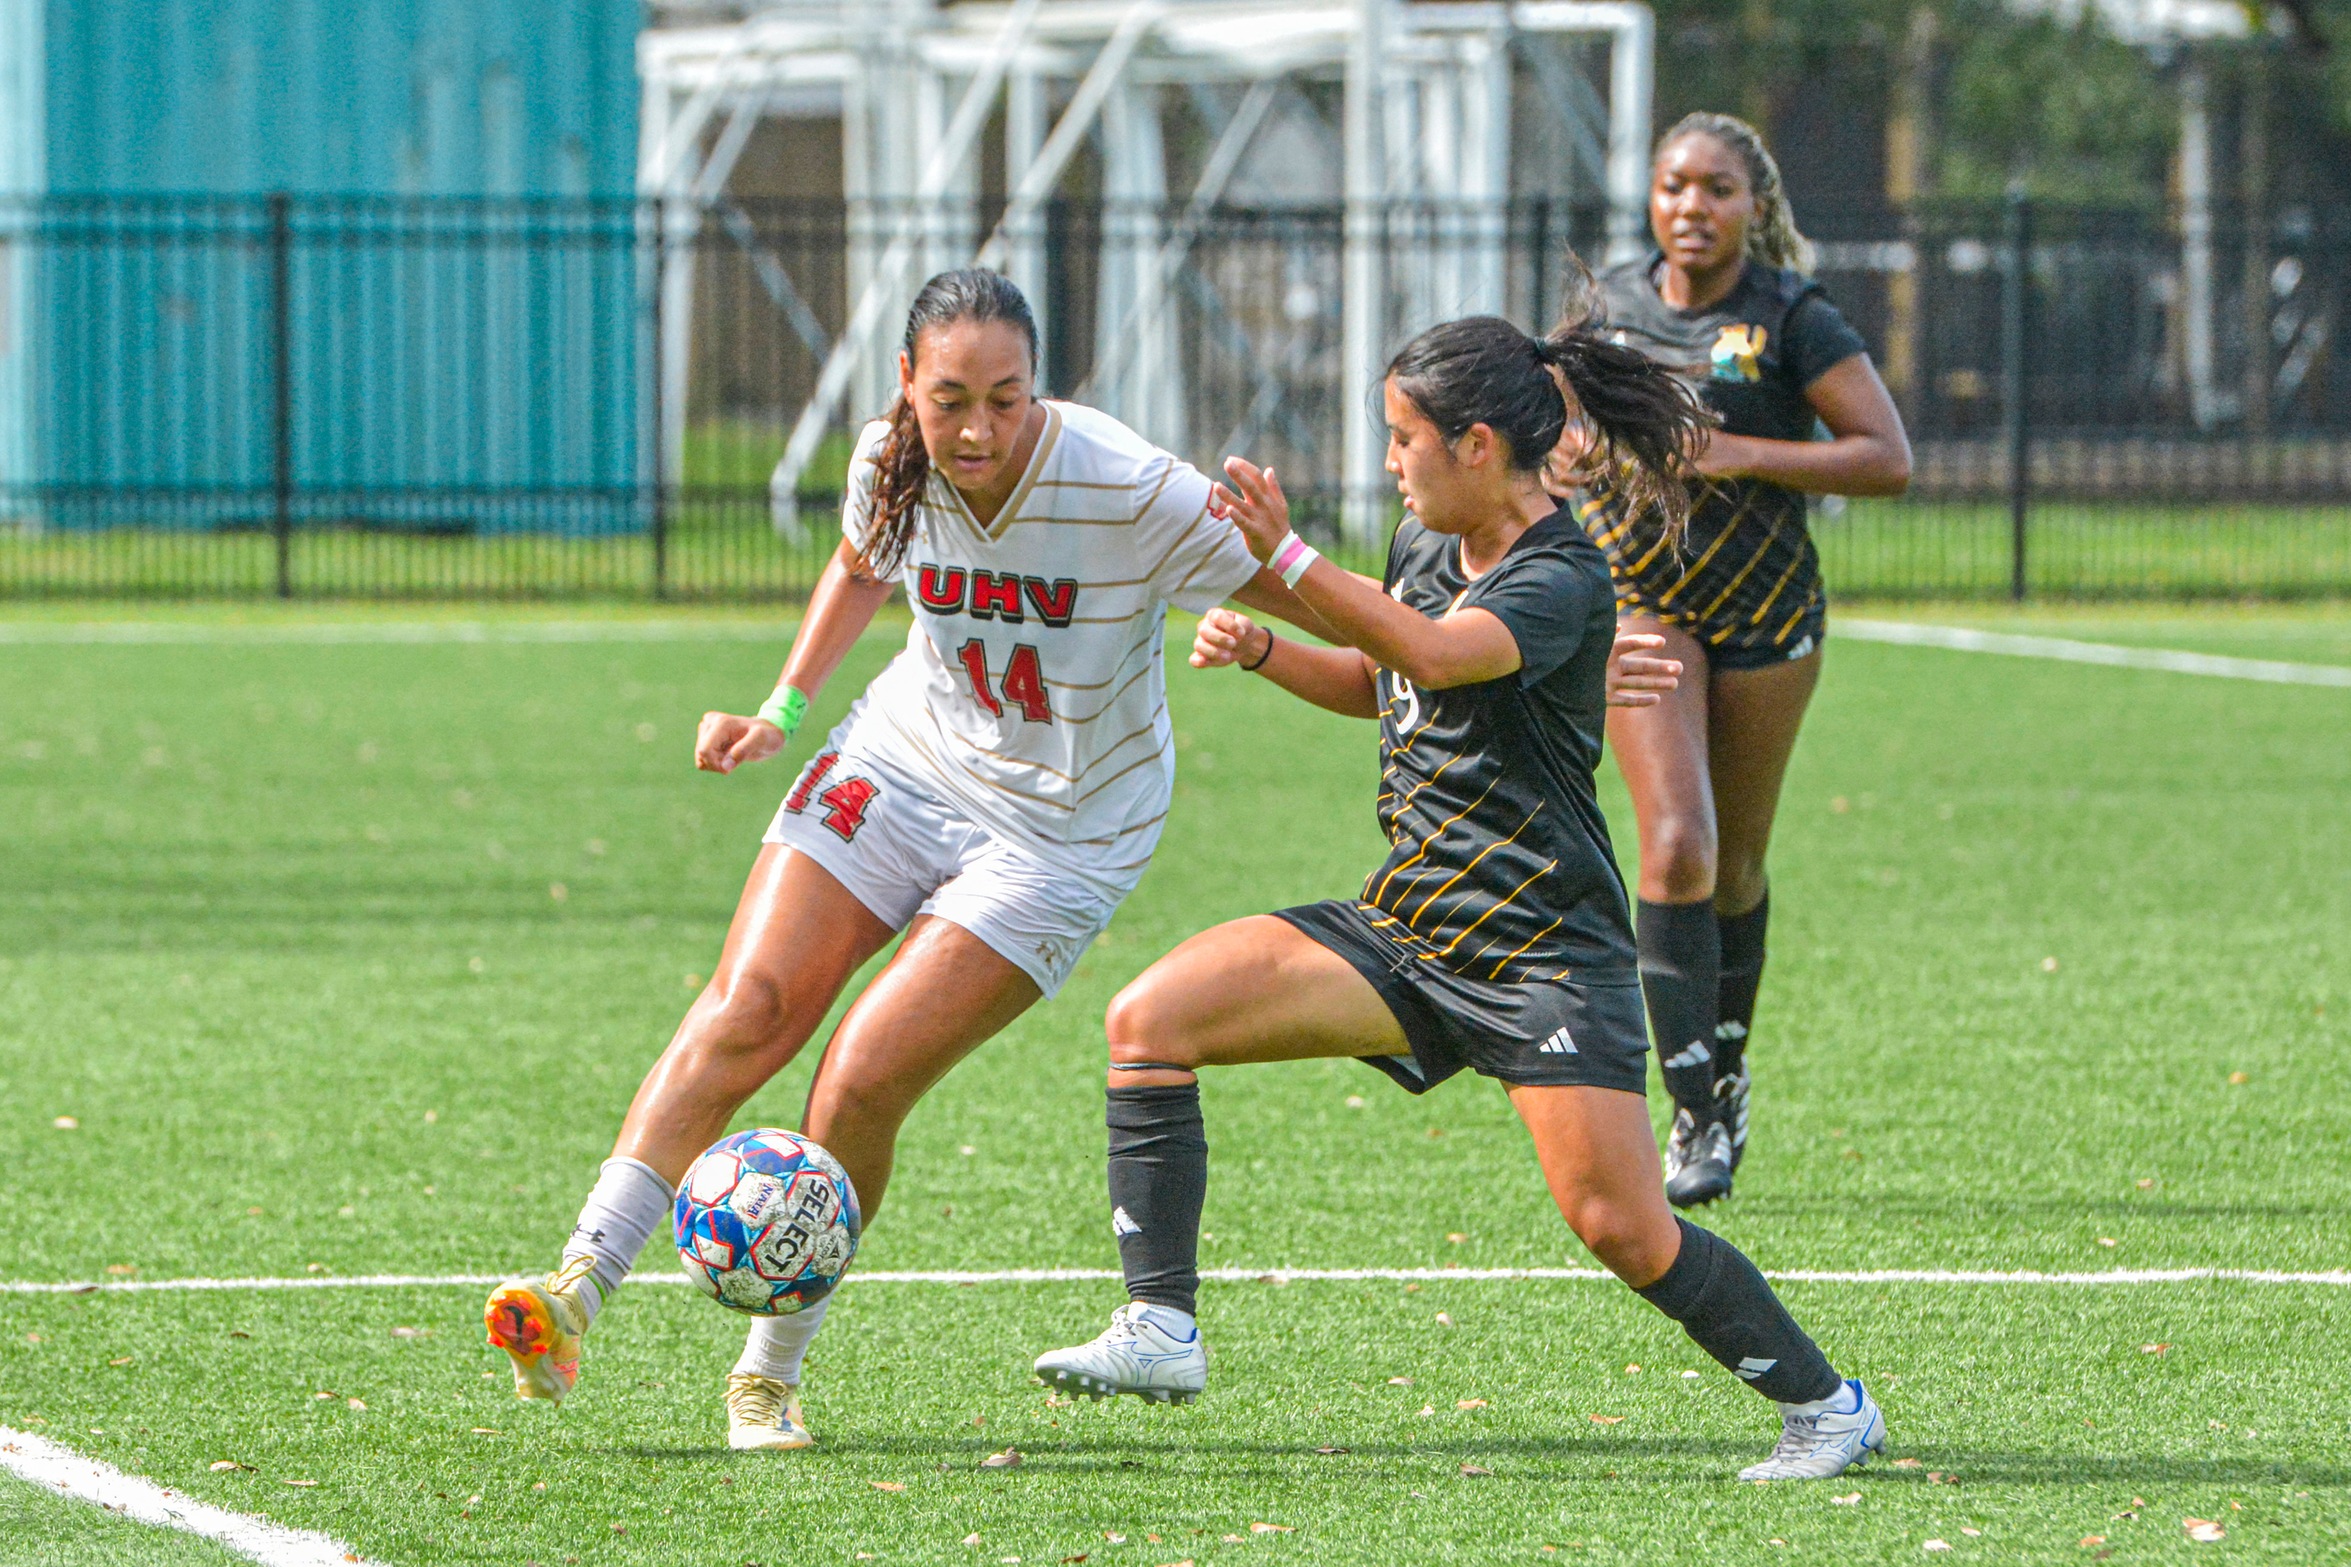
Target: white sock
[(1178, 1325), (628, 1204), (1844, 1401), (777, 1345)]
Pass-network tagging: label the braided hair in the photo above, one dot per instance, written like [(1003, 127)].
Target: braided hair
[(1644, 425), (901, 463), (1772, 238)]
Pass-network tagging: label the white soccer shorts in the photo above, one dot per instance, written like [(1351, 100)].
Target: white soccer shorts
[(901, 851)]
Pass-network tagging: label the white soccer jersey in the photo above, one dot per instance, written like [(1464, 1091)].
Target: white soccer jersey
[(1032, 693)]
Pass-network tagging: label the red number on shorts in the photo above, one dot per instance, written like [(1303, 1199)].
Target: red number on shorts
[(845, 804), (797, 800), (1024, 681), (975, 664)]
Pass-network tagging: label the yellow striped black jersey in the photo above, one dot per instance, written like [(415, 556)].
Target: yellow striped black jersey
[(1744, 579), (1499, 865)]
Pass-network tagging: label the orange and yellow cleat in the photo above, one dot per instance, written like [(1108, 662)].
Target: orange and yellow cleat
[(539, 1326)]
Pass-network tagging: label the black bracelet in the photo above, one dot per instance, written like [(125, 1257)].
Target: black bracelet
[(1262, 657)]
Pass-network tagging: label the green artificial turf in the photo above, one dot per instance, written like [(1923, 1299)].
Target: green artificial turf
[(281, 932)]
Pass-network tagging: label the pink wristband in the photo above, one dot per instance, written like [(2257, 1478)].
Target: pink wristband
[(1291, 557)]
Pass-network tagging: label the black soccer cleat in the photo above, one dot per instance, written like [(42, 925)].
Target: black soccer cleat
[(1698, 1161), (1730, 1108)]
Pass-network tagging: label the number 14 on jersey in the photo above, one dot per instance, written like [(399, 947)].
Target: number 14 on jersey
[(1023, 684)]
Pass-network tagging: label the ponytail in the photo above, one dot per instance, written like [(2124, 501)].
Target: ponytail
[(901, 463), (1644, 425), (1772, 238)]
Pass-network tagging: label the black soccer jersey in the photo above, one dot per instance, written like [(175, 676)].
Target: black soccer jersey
[(1500, 866), (1745, 578)]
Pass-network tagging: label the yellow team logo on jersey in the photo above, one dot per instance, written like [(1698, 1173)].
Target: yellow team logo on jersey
[(1736, 352)]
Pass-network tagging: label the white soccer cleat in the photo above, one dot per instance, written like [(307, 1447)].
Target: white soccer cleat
[(1821, 1445), (1136, 1354), (764, 1414)]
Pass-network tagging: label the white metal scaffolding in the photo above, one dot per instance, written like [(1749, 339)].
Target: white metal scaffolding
[(1426, 140)]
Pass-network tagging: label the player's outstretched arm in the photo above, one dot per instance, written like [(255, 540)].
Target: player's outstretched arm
[(1462, 648), (1337, 678), (840, 609)]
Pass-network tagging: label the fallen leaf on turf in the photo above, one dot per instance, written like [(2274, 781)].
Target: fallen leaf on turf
[(1473, 1470), (1606, 1420), (2239, 1079), (1845, 1501), (487, 1431), (1629, 1370), (1115, 1539), (1936, 1545), (1399, 1381), (304, 1485), (1067, 1560), (620, 1528), (239, 1333), (889, 1485), (1273, 1528), (1689, 1376), (1469, 1403), (2090, 1540), (1328, 1451), (1456, 1237), (2146, 1183), (121, 1270), (122, 1360), (1186, 1562), (408, 1333), (2154, 1349), (2126, 1515), (1008, 1459), (1233, 1539), (354, 1403), (66, 1123), (1908, 1463), (1153, 1538), (2217, 1425), (1973, 1534), (971, 1539), (224, 1465), (1428, 1409), (2203, 1530), (326, 1393), (1443, 1320), (1936, 1477)]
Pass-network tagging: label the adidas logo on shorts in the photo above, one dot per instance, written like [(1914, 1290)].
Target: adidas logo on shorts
[(1558, 1045)]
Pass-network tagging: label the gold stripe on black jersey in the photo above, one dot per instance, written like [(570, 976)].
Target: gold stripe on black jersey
[(1498, 906), (1466, 869), (1429, 842)]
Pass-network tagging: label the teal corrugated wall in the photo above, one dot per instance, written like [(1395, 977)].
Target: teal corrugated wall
[(385, 97), (450, 347)]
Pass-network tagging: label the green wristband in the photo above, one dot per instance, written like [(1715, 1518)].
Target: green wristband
[(785, 709)]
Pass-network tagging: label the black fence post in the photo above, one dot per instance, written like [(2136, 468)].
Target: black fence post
[(281, 385), (660, 461), (2015, 348)]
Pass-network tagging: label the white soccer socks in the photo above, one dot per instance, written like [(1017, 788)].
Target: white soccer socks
[(776, 1346), (629, 1203)]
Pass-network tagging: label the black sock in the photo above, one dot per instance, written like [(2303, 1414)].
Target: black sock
[(1723, 1303), (1158, 1180), (1681, 978), (1742, 977)]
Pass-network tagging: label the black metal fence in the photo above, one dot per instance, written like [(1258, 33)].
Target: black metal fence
[(328, 398)]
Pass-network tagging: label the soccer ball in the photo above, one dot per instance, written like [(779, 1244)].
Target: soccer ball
[(766, 1222)]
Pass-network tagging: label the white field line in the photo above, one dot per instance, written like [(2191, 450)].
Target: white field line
[(53, 1468), (2112, 1276), (168, 633), (1961, 640)]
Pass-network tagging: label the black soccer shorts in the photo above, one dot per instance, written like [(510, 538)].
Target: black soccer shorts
[(1541, 1033)]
